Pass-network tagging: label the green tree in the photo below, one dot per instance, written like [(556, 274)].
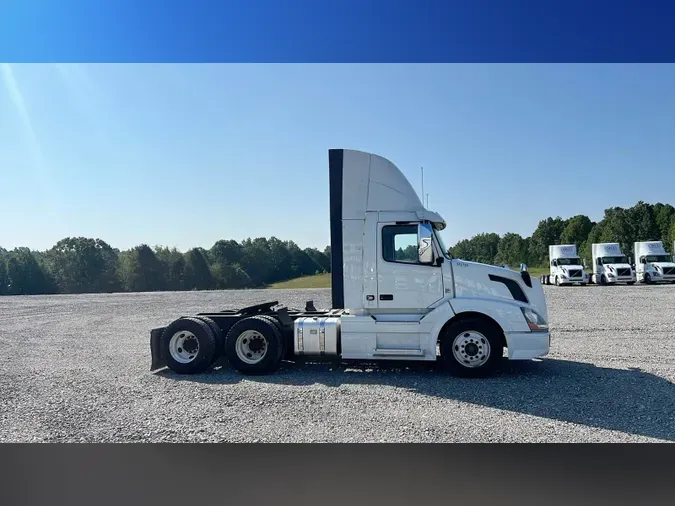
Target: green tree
[(257, 260), (463, 250), (83, 265), (25, 275), (643, 223), (617, 226), (511, 250), (576, 231), (173, 267), (548, 232), (197, 273), (141, 270), (4, 281), (664, 215)]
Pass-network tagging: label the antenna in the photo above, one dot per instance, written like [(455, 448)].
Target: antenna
[(427, 206), (422, 182)]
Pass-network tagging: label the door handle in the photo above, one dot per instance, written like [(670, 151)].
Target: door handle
[(386, 296)]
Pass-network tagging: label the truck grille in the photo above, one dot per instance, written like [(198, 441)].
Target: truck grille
[(575, 273), (669, 271), (623, 272)]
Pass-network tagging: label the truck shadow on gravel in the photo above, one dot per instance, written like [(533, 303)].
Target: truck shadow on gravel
[(630, 401)]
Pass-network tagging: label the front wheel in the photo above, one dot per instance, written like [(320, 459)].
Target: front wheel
[(471, 348)]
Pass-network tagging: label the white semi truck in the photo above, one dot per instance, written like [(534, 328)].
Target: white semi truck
[(387, 304), (566, 267), (610, 265), (652, 263)]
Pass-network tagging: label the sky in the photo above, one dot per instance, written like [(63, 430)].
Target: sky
[(185, 154)]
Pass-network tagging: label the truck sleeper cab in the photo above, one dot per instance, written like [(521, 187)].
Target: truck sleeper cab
[(396, 295)]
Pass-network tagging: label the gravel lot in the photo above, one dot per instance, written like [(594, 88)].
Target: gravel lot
[(76, 368)]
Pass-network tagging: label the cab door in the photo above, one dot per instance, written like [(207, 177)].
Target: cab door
[(403, 283)]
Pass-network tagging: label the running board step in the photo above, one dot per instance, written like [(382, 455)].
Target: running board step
[(398, 353)]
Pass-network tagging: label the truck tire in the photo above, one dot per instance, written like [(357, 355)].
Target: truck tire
[(188, 346), (471, 348), (630, 282), (254, 345), (647, 278), (277, 323), (603, 280), (217, 333)]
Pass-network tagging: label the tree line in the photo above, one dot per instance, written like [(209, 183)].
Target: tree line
[(642, 222), (85, 265)]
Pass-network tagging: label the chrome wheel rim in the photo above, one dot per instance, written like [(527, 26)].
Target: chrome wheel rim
[(251, 347), (184, 347), (471, 349)]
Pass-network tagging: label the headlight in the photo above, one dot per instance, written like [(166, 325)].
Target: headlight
[(534, 321)]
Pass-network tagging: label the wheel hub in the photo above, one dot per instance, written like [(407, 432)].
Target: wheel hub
[(256, 344), (183, 346), (190, 345), (471, 349), (251, 347)]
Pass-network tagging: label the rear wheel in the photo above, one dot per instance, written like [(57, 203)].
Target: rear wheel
[(217, 333), (254, 345), (188, 345), (471, 348)]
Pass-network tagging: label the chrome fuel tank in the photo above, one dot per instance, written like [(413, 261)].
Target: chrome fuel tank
[(316, 335)]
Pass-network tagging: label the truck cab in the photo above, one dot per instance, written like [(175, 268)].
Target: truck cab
[(396, 294), (566, 268), (653, 264), (610, 265)]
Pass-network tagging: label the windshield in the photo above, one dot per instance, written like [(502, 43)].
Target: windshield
[(614, 260), (657, 258), (444, 249), (569, 261)]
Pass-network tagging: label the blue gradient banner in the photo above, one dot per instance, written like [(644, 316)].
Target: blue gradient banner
[(345, 31)]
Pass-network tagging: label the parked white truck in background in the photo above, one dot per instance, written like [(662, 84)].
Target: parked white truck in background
[(610, 265), (390, 301), (653, 264), (566, 267)]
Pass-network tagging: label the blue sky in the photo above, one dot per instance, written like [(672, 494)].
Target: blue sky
[(184, 155)]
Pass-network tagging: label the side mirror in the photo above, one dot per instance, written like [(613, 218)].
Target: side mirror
[(583, 262), (425, 252)]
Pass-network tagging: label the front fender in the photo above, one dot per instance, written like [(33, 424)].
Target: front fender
[(507, 314)]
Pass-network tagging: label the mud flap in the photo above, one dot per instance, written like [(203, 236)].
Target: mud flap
[(155, 350)]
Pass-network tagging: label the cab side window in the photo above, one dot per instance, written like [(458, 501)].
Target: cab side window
[(399, 244)]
